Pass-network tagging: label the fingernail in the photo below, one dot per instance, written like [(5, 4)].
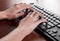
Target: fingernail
[(45, 20)]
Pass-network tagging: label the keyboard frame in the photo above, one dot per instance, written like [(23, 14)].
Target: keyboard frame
[(43, 32)]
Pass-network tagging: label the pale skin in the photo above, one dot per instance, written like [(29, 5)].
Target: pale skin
[(26, 25)]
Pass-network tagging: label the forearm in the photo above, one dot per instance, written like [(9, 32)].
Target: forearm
[(16, 35)]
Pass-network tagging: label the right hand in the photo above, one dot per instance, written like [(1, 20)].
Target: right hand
[(30, 22)]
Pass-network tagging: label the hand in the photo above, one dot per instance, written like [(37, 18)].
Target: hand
[(30, 22), (16, 11), (25, 27)]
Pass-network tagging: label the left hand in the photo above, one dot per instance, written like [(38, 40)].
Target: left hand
[(12, 12)]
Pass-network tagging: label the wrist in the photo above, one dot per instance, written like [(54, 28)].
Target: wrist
[(15, 35), (22, 29), (19, 33), (3, 15)]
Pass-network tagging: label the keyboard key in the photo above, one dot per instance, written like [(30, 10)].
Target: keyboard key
[(54, 30), (58, 25), (50, 24), (52, 21), (50, 32), (54, 18), (54, 35), (57, 21), (44, 16), (51, 17)]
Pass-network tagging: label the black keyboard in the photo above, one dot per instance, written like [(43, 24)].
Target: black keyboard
[(51, 29)]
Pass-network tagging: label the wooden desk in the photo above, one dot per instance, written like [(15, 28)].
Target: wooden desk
[(7, 26)]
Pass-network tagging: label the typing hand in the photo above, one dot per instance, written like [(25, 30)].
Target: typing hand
[(30, 22), (15, 11)]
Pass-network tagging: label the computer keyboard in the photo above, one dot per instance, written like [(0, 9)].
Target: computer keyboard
[(51, 29)]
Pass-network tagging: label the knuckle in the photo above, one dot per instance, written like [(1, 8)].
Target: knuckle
[(16, 6), (25, 4)]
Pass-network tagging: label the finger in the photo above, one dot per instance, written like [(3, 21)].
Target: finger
[(22, 7), (36, 14), (33, 13), (13, 9), (19, 14), (29, 14), (42, 20), (17, 8), (33, 9), (25, 6), (28, 6), (36, 17), (41, 15)]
